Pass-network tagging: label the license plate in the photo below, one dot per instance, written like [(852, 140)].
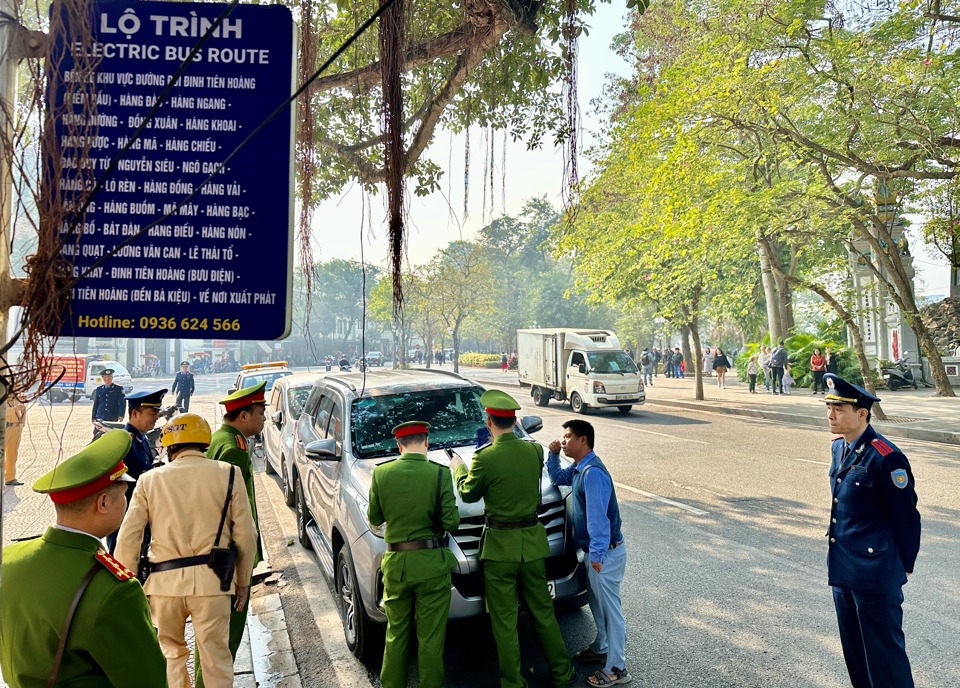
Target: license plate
[(624, 396), (552, 589)]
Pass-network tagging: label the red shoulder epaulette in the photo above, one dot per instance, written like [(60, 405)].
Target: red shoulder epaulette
[(113, 566), (241, 442), (882, 447)]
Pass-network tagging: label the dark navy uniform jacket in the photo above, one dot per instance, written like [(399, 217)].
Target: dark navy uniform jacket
[(140, 457), (183, 383), (874, 523), (108, 402)]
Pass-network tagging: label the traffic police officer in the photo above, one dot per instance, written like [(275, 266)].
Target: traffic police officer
[(144, 410), (874, 536), (107, 400), (246, 412), (110, 640), (184, 387), (506, 474), (415, 499), (182, 583)]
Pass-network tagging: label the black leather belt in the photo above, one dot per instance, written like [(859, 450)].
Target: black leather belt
[(511, 525), (413, 545), (179, 563), (616, 544)]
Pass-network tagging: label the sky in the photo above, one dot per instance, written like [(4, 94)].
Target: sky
[(344, 228)]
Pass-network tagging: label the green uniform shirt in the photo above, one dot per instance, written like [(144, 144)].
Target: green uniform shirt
[(228, 444), (112, 641), (506, 476), (403, 494)]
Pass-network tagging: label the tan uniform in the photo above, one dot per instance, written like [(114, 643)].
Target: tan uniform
[(16, 417), (182, 503)]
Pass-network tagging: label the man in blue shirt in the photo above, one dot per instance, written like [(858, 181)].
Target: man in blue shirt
[(597, 531), (874, 539)]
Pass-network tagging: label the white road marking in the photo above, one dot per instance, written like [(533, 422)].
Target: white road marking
[(650, 495), (595, 420), (819, 463), (346, 667)]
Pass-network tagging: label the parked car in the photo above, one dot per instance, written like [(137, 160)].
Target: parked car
[(344, 432), (254, 373), (374, 358), (286, 401)]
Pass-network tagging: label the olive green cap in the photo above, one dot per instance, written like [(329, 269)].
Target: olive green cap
[(246, 396), (499, 403), (95, 467)]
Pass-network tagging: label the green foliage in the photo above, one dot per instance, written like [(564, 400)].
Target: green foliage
[(800, 348), (475, 360)]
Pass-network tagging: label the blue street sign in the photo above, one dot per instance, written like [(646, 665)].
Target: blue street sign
[(220, 265)]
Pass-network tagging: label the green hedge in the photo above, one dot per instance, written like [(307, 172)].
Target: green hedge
[(480, 360)]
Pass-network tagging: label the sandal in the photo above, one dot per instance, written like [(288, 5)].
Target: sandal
[(602, 679), (589, 656)]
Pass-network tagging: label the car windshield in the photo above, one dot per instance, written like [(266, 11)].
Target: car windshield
[(611, 362), (455, 415), (296, 398), (251, 380)]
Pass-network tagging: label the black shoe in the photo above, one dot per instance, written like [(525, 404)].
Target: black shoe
[(588, 656), (13, 482)]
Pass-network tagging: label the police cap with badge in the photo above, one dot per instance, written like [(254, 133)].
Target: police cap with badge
[(839, 391), (499, 404), (149, 398), (99, 465), (255, 394)]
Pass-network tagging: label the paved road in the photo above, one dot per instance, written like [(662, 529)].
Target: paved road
[(726, 585)]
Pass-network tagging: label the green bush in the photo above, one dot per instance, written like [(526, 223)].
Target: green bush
[(480, 360)]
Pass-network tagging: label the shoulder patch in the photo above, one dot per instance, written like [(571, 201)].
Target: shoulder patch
[(241, 442), (899, 477), (882, 447), (113, 566)]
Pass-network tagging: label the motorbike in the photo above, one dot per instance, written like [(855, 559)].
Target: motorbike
[(899, 375), (153, 436), (344, 365)]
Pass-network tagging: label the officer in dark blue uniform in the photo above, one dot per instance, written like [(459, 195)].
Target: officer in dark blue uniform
[(144, 412), (183, 386), (874, 537), (107, 399)]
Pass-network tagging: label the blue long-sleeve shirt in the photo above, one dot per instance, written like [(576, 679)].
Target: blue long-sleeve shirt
[(602, 513)]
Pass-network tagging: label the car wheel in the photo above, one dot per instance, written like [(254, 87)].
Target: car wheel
[(625, 409), (289, 498), (571, 604), (361, 634), (303, 517), (576, 403), (539, 397)]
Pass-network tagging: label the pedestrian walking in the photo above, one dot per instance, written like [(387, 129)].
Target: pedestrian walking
[(657, 357), (70, 613), (144, 411), (787, 378), (708, 362), (503, 362), (765, 366), (678, 363), (506, 475), (414, 497), (753, 368), (818, 365), (597, 532), (245, 416), (778, 361), (647, 365), (182, 544), (16, 418), (874, 539), (107, 401), (721, 364), (184, 387)]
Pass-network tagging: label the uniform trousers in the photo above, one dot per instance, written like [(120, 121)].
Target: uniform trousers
[(11, 449), (603, 595), (506, 582), (183, 401), (236, 626), (871, 632), (211, 621), (427, 601)]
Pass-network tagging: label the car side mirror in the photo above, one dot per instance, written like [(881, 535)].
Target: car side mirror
[(277, 418), (582, 367), (322, 450), (531, 424), (231, 390)]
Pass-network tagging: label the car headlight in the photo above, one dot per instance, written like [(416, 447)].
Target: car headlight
[(598, 387), (640, 388)]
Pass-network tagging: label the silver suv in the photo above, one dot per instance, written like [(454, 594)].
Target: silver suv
[(344, 432)]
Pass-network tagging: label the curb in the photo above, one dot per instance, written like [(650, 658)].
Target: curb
[(889, 429)]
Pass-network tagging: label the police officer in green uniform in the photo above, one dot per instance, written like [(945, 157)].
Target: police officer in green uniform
[(506, 474), (110, 640), (246, 412), (415, 499)]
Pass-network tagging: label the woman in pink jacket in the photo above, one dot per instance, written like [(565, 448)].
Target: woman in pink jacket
[(818, 364)]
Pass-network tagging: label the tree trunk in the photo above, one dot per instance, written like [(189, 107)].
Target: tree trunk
[(456, 348), (770, 294), (698, 353)]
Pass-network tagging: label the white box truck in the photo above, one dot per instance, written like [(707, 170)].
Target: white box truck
[(585, 367)]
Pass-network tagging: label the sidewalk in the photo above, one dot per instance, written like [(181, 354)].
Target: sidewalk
[(913, 414), (56, 432)]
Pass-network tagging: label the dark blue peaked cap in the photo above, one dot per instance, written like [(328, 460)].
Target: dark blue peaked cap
[(151, 398), (839, 391)]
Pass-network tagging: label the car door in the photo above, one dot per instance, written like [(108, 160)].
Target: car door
[(325, 473), (271, 433)]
